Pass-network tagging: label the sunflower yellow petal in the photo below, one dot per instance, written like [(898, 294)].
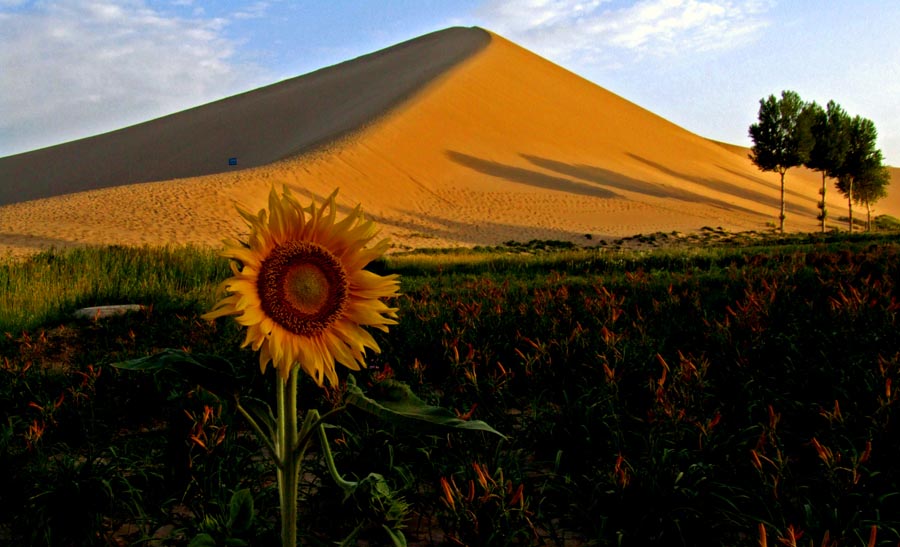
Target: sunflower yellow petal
[(340, 351), (356, 338), (370, 314), (243, 255), (264, 358), (327, 361), (257, 296), (276, 347), (367, 285), (313, 361)]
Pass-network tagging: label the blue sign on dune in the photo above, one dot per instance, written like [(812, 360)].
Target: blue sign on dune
[(232, 161)]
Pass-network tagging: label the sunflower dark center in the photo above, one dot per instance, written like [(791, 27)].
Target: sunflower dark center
[(303, 287)]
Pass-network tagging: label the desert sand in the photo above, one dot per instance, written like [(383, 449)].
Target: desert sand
[(458, 138)]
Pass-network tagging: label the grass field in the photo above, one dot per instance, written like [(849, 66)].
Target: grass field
[(697, 395)]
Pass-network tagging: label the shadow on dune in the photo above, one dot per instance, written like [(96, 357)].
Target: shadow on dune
[(530, 177), (769, 183), (597, 182), (771, 200), (464, 233), (606, 177), (482, 232)]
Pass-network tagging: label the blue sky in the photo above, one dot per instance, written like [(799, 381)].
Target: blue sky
[(74, 68)]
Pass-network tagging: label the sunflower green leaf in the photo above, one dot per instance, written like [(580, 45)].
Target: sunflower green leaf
[(395, 402), (212, 372)]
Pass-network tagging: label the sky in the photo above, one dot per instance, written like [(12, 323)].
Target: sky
[(75, 68)]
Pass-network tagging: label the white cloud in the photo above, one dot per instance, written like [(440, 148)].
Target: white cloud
[(80, 67), (255, 10), (605, 32)]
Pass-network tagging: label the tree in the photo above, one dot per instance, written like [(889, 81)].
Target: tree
[(862, 163), (781, 138), (828, 130), (870, 188)]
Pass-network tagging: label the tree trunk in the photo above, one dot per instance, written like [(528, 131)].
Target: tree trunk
[(823, 202), (781, 216), (868, 216), (850, 205)]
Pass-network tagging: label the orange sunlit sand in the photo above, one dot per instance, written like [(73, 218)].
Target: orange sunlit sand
[(498, 144)]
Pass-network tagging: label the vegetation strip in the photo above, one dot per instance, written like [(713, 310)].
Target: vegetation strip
[(698, 396)]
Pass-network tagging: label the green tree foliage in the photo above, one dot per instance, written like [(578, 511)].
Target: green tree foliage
[(781, 138), (870, 188), (828, 128), (862, 172)]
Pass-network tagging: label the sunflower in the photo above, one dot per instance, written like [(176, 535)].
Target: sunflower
[(300, 288)]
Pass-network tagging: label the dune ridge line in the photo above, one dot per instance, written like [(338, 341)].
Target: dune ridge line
[(496, 144)]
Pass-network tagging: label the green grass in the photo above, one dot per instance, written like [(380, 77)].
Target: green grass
[(680, 396), (49, 285), (46, 286)]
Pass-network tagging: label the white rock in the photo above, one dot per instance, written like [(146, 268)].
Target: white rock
[(99, 312)]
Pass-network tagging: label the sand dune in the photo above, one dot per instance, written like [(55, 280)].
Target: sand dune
[(255, 128), (490, 143)]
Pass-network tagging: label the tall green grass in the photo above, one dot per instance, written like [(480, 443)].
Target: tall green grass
[(523, 261), (51, 284)]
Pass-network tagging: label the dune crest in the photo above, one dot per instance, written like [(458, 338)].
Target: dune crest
[(499, 144)]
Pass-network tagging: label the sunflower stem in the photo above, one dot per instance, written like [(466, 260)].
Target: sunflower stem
[(312, 422), (303, 438), (288, 473), (330, 413), (329, 460)]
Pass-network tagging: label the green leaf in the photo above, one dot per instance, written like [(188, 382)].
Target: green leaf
[(260, 411), (350, 540), (396, 536), (216, 374), (396, 403), (169, 358), (240, 511), (202, 540)]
